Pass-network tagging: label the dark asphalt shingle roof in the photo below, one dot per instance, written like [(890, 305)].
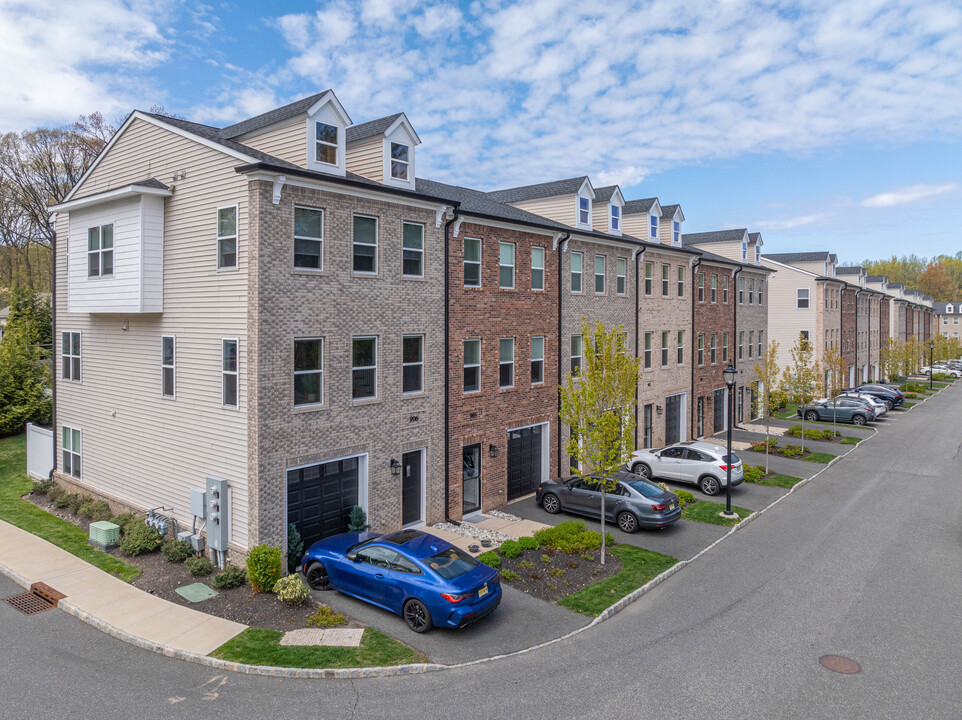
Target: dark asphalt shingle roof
[(939, 307), (555, 188), (754, 237), (371, 128), (271, 116), (896, 286), (603, 194), (668, 211), (877, 278), (151, 183), (789, 258), (716, 236), (638, 207), (849, 270)]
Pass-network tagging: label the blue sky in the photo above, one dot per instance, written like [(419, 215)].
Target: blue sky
[(824, 125)]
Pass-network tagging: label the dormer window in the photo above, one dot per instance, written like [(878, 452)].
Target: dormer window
[(615, 217), (676, 232), (399, 161), (654, 227), (758, 255), (584, 211), (326, 143), (744, 251)]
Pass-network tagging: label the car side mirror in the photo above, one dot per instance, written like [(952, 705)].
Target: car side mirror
[(352, 557)]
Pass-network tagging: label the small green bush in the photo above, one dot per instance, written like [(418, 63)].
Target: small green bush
[(176, 551), (526, 565), (55, 493), (911, 395), (790, 451), (232, 577), (139, 539), (325, 617), (490, 558), (75, 501), (200, 566), (685, 497), (545, 558), (60, 500), (509, 575), (291, 590), (753, 473), (42, 487), (263, 567), (96, 510), (571, 536), (810, 433), (759, 445), (357, 520), (510, 549), (556, 572), (127, 521), (528, 543), (663, 486)]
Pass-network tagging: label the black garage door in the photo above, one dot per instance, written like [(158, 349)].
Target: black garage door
[(524, 461), (320, 497)]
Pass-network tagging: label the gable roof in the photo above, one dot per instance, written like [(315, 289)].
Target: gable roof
[(637, 207), (789, 258), (603, 194), (877, 278), (272, 116), (569, 186), (668, 211), (849, 270), (371, 128), (716, 236)]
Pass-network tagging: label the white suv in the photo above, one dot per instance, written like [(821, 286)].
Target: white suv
[(701, 463)]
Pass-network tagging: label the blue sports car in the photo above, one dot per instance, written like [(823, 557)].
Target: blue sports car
[(424, 579)]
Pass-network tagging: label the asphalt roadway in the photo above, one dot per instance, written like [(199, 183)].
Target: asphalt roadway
[(865, 562)]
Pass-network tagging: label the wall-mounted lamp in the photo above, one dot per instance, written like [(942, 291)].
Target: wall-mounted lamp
[(658, 409), (395, 467), (126, 326), (492, 451)]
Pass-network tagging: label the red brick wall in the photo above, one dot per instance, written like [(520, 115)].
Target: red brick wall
[(884, 322), (708, 318), (849, 341), (490, 313)]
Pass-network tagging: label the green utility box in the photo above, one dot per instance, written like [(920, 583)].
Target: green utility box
[(104, 535)]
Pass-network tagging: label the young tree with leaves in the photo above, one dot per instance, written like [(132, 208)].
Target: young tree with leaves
[(767, 372), (835, 367), (890, 359), (597, 406), (800, 378)]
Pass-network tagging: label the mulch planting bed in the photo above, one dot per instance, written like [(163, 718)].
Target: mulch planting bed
[(562, 574)]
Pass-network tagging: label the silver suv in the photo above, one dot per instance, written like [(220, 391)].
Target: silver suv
[(701, 463)]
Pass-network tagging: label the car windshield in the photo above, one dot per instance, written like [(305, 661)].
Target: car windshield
[(647, 489), (733, 456), (452, 563)]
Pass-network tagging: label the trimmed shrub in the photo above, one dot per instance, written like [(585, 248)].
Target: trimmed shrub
[(685, 497), (790, 451), (75, 501), (528, 543), (42, 487), (357, 520), (127, 521), (96, 510), (200, 566), (60, 500), (55, 493), (295, 547), (232, 577), (509, 575), (176, 551), (263, 567), (753, 473), (325, 617), (490, 558), (139, 539), (759, 445), (571, 536), (291, 590), (510, 549)]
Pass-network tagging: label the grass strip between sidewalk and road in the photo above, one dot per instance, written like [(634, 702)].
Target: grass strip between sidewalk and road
[(780, 481), (259, 646), (13, 509), (638, 566), (705, 511), (823, 458)]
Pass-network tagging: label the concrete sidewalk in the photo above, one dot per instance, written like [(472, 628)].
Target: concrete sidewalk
[(106, 602)]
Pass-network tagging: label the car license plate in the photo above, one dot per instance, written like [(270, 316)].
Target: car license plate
[(483, 591), (671, 506)]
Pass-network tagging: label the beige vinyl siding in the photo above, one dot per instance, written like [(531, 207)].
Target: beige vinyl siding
[(154, 449), (637, 225), (561, 209), (287, 141), (813, 267), (664, 231), (366, 158), (730, 250), (785, 320), (599, 217)]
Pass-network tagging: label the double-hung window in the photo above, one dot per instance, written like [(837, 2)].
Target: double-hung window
[(741, 344), (621, 273), (100, 251), (760, 342), (801, 298), (167, 365), (761, 283), (537, 360), (412, 364), (227, 237), (665, 280), (584, 211), (364, 368), (575, 353), (664, 348), (472, 262), (701, 287), (676, 229), (413, 252), (681, 281), (649, 277), (751, 342), (724, 347), (577, 268), (741, 291), (71, 452), (648, 341), (599, 274), (615, 217), (714, 348), (308, 372), (308, 238), (506, 267), (654, 228), (701, 348), (400, 160), (506, 363), (365, 244), (681, 347), (744, 251), (725, 289), (714, 288), (228, 359), (751, 291), (70, 356), (472, 366), (325, 143), (537, 268)]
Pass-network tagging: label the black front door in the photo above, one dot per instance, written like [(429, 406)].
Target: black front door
[(719, 408), (524, 461), (320, 497), (672, 419), (411, 487)]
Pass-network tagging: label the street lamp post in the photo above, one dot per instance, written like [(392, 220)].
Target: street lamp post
[(729, 374), (931, 371)]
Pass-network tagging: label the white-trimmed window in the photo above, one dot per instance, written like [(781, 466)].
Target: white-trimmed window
[(537, 268), (400, 161), (615, 217), (654, 227), (701, 287), (537, 360), (760, 342), (472, 262), (412, 261), (701, 348), (365, 244), (649, 277), (167, 365), (227, 237), (584, 211), (751, 291), (472, 366), (648, 341), (308, 372), (801, 298), (506, 363), (741, 344), (724, 347), (70, 356), (100, 251), (714, 288), (71, 452), (665, 280), (228, 355), (599, 274), (412, 364), (664, 348), (741, 291), (681, 281), (621, 275), (751, 342), (364, 367), (714, 348), (676, 232), (575, 353), (506, 265), (758, 255), (577, 268), (744, 251), (725, 289), (325, 143), (681, 347), (308, 238)]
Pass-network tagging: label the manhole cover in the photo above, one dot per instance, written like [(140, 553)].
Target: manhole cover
[(839, 664), (28, 603)]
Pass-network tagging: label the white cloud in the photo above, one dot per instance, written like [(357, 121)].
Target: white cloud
[(791, 222), (908, 194)]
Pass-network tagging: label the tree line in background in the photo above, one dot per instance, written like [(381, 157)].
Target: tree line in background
[(940, 276)]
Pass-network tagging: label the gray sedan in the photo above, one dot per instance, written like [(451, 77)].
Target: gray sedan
[(634, 503)]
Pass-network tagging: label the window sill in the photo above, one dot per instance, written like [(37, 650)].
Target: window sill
[(357, 274), (414, 395), (310, 272), (302, 409), (233, 268), (414, 278), (365, 401)]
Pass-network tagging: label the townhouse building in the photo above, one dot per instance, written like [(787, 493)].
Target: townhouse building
[(946, 319), (897, 315), (881, 325)]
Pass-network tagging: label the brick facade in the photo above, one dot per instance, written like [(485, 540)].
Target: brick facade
[(849, 345), (709, 318), (750, 339)]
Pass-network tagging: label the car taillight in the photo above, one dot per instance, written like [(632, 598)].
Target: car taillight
[(455, 597), (659, 508), (724, 467)]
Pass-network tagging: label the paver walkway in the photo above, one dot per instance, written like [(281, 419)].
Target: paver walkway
[(94, 594), (513, 528)]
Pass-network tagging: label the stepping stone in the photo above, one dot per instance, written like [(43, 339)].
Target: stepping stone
[(196, 592), (344, 637)]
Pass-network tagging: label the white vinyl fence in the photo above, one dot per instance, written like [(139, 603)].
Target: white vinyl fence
[(39, 451)]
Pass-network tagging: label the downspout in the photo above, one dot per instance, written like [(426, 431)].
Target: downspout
[(693, 339), (639, 257), (53, 347), (734, 340), (560, 246), (447, 369)]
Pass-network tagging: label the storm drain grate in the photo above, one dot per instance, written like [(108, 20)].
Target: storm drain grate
[(28, 603)]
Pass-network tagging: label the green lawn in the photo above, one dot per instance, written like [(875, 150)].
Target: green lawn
[(790, 411), (707, 512), (258, 646), (815, 457), (848, 440), (14, 482), (906, 405), (782, 481), (638, 566)]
